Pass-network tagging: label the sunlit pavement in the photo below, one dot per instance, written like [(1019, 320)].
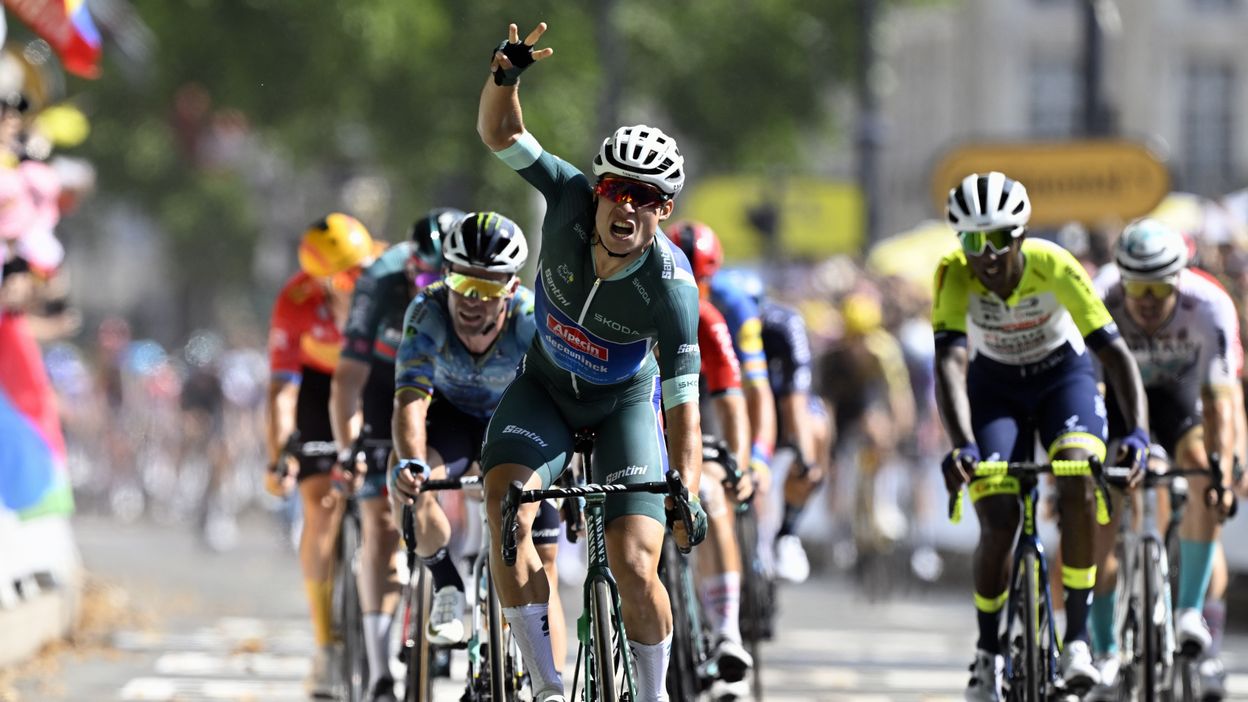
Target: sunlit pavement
[(232, 627)]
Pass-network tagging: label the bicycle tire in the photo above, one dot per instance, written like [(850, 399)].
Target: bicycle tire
[(1033, 667), (603, 604), (418, 677), (351, 619), (499, 686), (682, 672), (1150, 639)]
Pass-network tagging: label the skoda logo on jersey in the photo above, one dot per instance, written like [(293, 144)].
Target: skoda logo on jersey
[(575, 338), (614, 324), (641, 290)]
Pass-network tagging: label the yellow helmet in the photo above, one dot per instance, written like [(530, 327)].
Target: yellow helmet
[(861, 314), (334, 245)]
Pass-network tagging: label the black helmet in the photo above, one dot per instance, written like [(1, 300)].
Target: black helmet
[(430, 231), (486, 240)]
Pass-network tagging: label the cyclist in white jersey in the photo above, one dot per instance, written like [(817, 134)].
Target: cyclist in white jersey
[(1182, 328)]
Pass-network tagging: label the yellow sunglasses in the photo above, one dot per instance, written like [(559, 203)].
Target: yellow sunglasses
[(477, 288), (1159, 289)]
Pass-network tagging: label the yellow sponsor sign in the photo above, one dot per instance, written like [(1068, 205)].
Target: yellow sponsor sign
[(1086, 181), (815, 217)]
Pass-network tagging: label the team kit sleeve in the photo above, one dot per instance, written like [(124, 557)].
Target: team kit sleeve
[(552, 176), (720, 368), (676, 322), (794, 357), (950, 297), (284, 335), (1075, 291), (1222, 356), (416, 360), (364, 318)]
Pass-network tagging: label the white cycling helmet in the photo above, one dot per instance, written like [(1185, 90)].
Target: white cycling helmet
[(988, 201), (1150, 250), (645, 154)]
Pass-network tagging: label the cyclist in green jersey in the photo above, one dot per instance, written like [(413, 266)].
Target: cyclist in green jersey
[(611, 287)]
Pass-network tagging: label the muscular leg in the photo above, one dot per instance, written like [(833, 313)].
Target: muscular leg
[(1200, 527), (719, 560), (558, 627), (378, 583), (634, 546), (321, 511), (998, 524), (1077, 507), (523, 589)]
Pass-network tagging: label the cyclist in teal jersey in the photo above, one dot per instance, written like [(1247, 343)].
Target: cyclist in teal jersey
[(611, 287), (362, 394)]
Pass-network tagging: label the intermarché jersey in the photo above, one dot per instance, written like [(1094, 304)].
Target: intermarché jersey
[(431, 357), (1198, 346), (594, 334), (1053, 305)]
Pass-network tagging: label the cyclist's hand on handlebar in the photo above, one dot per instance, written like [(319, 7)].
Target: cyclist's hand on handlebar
[(1133, 453), (745, 487), (280, 478), (958, 467), (511, 57), (406, 477), (697, 517)]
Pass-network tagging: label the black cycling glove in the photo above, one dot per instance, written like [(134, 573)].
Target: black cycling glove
[(521, 57)]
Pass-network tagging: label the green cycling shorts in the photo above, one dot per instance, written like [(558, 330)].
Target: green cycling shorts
[(534, 426)]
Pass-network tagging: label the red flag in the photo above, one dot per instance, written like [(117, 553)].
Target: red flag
[(67, 26)]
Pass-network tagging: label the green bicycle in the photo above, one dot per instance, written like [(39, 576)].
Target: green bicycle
[(608, 665)]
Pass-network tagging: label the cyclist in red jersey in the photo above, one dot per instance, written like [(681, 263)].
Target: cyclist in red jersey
[(719, 571), (304, 341)]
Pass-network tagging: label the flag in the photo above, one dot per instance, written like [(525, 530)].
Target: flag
[(68, 27)]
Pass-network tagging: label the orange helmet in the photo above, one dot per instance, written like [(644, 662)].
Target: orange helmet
[(334, 245)]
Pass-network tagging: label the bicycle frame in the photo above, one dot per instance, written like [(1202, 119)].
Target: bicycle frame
[(1030, 547), (599, 571)]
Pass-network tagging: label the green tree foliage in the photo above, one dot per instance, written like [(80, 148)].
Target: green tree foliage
[(392, 85)]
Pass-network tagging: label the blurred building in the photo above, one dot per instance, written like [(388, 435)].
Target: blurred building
[(1175, 76)]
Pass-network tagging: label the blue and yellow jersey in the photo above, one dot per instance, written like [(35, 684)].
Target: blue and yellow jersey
[(744, 321), (431, 357)]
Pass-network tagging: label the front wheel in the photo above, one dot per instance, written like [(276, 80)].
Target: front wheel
[(682, 673), (350, 617), (605, 679), (417, 653), (1033, 672)]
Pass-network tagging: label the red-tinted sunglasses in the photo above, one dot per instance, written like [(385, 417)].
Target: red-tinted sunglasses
[(620, 191)]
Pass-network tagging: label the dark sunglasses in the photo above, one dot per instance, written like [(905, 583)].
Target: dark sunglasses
[(975, 243), (621, 191)]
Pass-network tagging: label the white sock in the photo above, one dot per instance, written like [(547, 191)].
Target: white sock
[(377, 645), (651, 661), (721, 598), (531, 630)]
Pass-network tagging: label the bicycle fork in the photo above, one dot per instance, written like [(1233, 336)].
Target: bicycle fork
[(1029, 561), (597, 551)]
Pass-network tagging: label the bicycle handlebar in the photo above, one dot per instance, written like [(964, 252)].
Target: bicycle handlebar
[(1061, 469), (715, 450), (673, 487)]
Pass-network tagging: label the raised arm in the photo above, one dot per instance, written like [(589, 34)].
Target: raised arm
[(499, 118)]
